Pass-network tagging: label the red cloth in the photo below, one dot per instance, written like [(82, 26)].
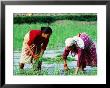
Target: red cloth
[(32, 35), (35, 38)]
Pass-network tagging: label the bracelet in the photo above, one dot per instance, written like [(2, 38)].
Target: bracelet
[(65, 65)]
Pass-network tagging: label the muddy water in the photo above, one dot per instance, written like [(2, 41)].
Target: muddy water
[(47, 53), (46, 66)]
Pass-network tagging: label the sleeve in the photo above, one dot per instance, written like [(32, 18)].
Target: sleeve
[(32, 35), (79, 57), (65, 54), (45, 44)]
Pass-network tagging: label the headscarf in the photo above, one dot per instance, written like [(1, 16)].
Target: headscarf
[(74, 40)]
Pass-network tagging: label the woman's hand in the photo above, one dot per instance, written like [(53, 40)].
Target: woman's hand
[(66, 67), (36, 56), (28, 52)]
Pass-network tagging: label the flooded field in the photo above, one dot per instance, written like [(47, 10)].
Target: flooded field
[(50, 67)]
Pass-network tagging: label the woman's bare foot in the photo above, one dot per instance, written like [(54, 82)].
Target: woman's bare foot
[(76, 70), (82, 70), (21, 65)]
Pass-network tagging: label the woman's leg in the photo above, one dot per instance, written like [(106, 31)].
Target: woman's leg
[(39, 65), (82, 69), (76, 70), (81, 64)]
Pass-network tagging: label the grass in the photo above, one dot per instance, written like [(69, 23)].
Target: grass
[(62, 29)]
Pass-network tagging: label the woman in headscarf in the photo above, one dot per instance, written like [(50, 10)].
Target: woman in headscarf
[(34, 45), (82, 46)]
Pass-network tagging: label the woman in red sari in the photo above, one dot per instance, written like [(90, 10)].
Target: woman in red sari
[(82, 46), (34, 45)]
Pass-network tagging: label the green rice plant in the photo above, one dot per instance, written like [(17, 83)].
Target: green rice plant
[(56, 71), (62, 29)]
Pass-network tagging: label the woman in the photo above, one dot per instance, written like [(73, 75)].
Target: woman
[(82, 46), (34, 45)]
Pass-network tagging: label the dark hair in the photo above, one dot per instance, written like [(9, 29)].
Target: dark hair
[(46, 30), (75, 48)]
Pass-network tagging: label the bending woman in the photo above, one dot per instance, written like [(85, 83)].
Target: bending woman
[(82, 46), (34, 45)]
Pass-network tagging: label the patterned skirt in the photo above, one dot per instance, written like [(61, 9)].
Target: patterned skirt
[(88, 54)]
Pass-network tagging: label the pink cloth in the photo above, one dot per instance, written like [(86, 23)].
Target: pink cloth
[(86, 56)]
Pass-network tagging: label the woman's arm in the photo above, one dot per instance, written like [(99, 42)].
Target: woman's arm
[(31, 52), (43, 48), (78, 62), (64, 56), (44, 45)]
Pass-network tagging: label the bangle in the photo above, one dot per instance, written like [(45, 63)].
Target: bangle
[(65, 65)]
